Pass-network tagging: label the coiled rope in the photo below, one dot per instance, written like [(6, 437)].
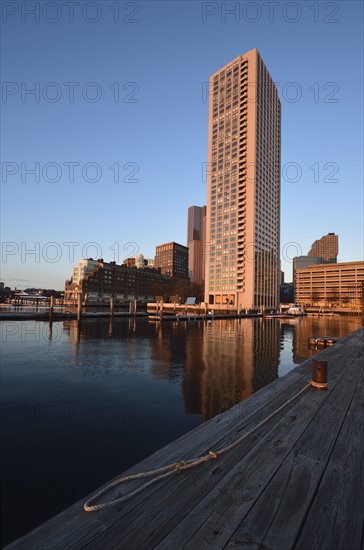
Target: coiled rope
[(176, 467)]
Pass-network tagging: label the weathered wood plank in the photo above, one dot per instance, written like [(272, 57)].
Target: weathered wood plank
[(196, 517), (182, 494), (157, 522), (336, 517), (291, 490), (213, 530)]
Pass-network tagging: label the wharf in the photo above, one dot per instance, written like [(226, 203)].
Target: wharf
[(209, 317), (63, 315), (296, 481)]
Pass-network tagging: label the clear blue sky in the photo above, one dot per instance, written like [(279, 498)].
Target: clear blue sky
[(158, 55)]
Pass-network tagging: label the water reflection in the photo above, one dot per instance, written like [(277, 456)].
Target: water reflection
[(132, 387), (239, 357), (336, 327), (217, 364)]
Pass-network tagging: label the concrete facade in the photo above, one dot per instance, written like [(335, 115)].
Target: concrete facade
[(243, 186), (336, 284)]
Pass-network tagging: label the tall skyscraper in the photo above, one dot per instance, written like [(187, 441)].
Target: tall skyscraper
[(326, 248), (243, 196), (196, 235)]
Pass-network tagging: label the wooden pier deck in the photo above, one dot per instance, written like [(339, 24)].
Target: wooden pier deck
[(295, 482)]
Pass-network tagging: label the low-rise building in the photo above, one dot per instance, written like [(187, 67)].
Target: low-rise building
[(301, 262), (109, 280), (336, 284)]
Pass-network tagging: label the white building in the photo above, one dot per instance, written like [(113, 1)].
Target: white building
[(82, 268)]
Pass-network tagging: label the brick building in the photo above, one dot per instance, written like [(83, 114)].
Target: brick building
[(101, 281), (172, 259)]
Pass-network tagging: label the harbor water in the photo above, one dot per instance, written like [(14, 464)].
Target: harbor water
[(83, 402)]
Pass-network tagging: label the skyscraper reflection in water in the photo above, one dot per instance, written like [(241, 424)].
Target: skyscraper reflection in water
[(232, 360), (217, 364)]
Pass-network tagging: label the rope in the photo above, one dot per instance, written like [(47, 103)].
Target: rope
[(176, 467)]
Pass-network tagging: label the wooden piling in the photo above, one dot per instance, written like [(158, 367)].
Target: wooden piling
[(79, 306), (135, 307), (111, 307), (51, 310)]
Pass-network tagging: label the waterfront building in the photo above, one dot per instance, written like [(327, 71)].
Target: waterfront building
[(196, 236), (326, 248), (172, 260), (109, 280), (243, 195), (336, 284), (322, 251), (300, 262), (83, 268)]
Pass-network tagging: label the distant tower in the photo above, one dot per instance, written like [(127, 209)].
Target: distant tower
[(326, 248), (195, 223), (196, 236)]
